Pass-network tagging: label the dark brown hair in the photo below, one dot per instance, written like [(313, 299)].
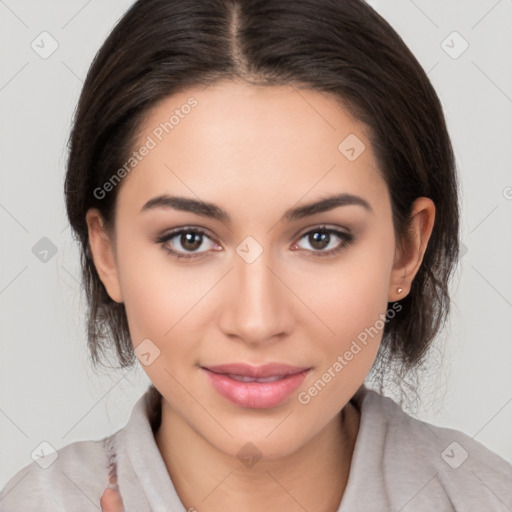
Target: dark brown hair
[(341, 47)]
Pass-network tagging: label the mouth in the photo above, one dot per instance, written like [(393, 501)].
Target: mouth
[(256, 387)]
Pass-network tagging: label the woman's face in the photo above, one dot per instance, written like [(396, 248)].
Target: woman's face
[(261, 285)]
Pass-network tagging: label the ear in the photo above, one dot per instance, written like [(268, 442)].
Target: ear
[(103, 254), (409, 256)]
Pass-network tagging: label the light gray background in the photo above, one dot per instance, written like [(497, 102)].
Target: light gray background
[(48, 391)]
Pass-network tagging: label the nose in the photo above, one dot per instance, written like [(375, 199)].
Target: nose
[(256, 301)]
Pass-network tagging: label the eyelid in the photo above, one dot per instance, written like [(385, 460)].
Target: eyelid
[(169, 235), (324, 227), (346, 238)]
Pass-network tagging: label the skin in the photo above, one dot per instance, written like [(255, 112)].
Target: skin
[(256, 152)]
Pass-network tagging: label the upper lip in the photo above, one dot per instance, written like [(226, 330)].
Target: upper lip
[(266, 370)]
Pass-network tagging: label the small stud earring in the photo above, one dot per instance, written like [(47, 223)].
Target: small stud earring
[(399, 290)]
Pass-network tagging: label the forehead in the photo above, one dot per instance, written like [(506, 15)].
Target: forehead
[(242, 143)]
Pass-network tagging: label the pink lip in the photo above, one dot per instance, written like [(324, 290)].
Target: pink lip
[(256, 395)]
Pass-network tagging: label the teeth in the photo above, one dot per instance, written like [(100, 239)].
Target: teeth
[(244, 378)]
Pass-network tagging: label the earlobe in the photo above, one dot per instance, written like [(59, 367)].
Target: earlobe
[(102, 252), (409, 256)]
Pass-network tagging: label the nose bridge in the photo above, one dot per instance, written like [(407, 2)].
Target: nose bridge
[(255, 306)]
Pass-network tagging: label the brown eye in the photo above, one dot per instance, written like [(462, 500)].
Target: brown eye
[(322, 237), (191, 241), (319, 239), (184, 243)]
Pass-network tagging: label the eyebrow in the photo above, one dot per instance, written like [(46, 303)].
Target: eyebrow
[(212, 211)]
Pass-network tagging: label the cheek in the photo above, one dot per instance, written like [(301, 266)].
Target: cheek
[(353, 307), (164, 302), (152, 295), (161, 306), (350, 296)]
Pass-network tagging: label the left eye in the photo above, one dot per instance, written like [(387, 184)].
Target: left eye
[(320, 238)]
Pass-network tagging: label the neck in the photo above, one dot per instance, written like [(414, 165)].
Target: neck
[(207, 480)]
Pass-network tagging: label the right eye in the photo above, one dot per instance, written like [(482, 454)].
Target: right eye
[(190, 240)]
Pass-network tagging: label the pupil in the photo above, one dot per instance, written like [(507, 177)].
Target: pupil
[(190, 243), (319, 242)]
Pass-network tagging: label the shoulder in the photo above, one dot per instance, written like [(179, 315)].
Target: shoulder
[(75, 474), (425, 461)]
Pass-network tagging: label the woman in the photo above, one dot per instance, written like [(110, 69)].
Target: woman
[(266, 200)]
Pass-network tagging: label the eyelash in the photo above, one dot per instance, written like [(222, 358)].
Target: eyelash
[(348, 239)]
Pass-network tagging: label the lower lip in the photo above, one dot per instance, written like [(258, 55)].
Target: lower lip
[(256, 395)]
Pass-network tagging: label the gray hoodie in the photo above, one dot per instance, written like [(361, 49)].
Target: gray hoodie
[(399, 464)]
